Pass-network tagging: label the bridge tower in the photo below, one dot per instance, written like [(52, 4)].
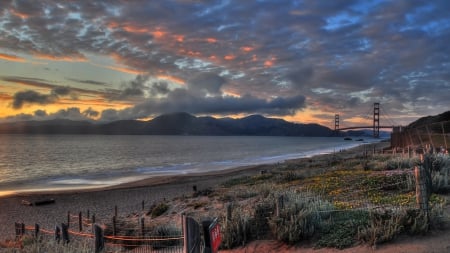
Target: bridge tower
[(376, 120), (336, 124)]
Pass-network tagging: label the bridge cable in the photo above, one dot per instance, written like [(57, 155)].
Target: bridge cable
[(387, 117)]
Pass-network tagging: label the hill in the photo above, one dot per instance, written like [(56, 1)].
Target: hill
[(445, 116), (172, 124)]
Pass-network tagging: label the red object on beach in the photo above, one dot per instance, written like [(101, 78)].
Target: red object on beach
[(216, 238)]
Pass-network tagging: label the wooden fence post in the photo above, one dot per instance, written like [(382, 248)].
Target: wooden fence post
[(20, 229), (114, 225), (99, 239), (65, 233), (142, 220), (68, 218), (80, 221), (421, 188), (36, 230), (57, 234)]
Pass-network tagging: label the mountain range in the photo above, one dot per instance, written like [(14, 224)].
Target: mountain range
[(171, 124), (186, 124)]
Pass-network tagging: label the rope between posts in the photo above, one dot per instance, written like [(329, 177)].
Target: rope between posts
[(134, 238)]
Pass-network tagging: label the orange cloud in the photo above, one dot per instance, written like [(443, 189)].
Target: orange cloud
[(78, 58), (247, 49), (269, 63), (179, 38), (172, 79), (18, 14), (125, 70), (4, 96), (158, 34), (134, 29), (229, 57), (211, 40), (14, 58)]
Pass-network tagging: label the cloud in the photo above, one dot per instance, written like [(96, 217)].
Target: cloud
[(260, 50), (13, 58), (131, 90), (182, 100), (32, 97), (206, 83), (159, 88), (88, 82), (72, 113)]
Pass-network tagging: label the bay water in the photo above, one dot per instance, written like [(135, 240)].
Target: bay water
[(57, 162)]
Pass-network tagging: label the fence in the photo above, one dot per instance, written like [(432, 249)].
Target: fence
[(115, 235), (120, 237), (436, 135)]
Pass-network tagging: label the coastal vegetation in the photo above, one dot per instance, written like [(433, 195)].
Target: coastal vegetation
[(336, 201)]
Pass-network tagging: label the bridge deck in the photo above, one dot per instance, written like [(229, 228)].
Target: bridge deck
[(363, 127)]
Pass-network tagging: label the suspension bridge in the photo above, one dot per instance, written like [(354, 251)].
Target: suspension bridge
[(376, 126)]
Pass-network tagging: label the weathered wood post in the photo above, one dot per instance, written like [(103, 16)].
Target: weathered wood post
[(422, 174), (114, 225), (143, 205), (99, 239), (80, 221), (142, 221), (68, 218), (65, 233), (115, 210), (57, 234), (20, 229), (36, 230)]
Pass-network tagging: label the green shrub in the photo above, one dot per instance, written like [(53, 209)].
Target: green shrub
[(236, 231), (340, 231), (158, 210), (300, 218)]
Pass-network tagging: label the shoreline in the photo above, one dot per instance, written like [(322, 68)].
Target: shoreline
[(156, 180), (128, 197)]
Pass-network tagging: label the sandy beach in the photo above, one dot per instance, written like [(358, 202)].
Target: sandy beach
[(128, 199), (101, 202)]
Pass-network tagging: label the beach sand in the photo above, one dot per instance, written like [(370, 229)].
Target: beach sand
[(128, 199)]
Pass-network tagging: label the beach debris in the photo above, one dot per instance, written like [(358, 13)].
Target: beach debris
[(38, 202)]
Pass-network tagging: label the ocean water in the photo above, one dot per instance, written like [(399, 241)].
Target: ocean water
[(49, 162)]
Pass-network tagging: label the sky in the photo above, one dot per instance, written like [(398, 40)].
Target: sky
[(303, 61)]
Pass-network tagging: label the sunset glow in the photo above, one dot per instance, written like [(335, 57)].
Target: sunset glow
[(300, 62)]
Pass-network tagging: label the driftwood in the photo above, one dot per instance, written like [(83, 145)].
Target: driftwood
[(38, 202)]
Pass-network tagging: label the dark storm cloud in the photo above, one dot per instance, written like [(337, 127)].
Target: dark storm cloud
[(35, 82), (183, 100), (206, 83), (72, 113), (159, 88), (133, 89), (271, 50), (88, 82), (31, 97)]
